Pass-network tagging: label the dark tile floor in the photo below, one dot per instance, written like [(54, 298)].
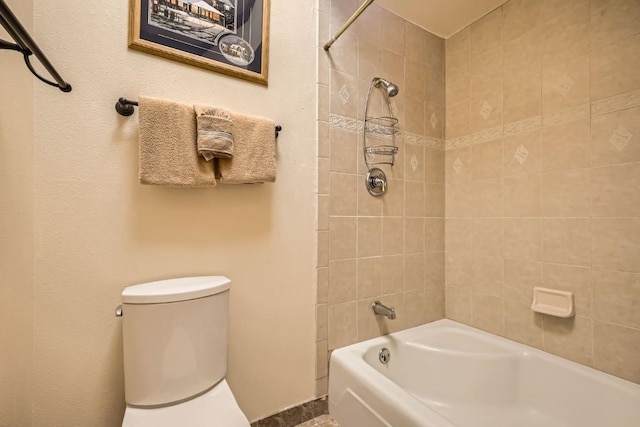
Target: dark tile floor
[(298, 416), (321, 421)]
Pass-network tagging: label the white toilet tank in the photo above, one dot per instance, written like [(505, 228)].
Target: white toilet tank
[(174, 338)]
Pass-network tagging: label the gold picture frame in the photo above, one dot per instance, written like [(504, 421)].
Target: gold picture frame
[(227, 36)]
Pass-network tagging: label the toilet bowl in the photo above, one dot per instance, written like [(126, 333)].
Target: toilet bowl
[(175, 354), (217, 407)]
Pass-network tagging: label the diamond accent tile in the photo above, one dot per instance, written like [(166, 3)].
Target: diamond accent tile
[(433, 120), (457, 166), (521, 154), (344, 94), (414, 162), (620, 138), (485, 110), (564, 85)]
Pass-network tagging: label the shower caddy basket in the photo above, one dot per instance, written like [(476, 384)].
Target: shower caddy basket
[(382, 127)]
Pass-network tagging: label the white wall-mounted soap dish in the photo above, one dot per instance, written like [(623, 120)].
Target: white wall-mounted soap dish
[(553, 302)]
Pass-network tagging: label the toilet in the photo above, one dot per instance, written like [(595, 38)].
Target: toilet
[(175, 354)]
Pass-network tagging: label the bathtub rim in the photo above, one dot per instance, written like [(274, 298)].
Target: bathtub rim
[(359, 349), (351, 359)]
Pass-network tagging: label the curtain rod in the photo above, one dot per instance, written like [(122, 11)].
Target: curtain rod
[(26, 46), (350, 21)]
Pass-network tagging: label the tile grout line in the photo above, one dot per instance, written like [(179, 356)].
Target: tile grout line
[(591, 314)]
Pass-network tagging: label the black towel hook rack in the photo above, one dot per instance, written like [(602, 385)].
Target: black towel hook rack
[(126, 107), (27, 47)]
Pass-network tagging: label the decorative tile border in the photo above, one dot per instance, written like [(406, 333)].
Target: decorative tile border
[(487, 135), (296, 415), (411, 138), (459, 142), (435, 143), (422, 140), (595, 108), (616, 103), (349, 124), (579, 113), (522, 126)]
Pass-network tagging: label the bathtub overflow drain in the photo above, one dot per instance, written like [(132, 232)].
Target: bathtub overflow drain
[(384, 355)]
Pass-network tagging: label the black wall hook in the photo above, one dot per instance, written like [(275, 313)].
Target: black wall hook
[(126, 107)]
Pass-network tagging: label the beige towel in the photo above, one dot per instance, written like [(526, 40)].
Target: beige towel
[(215, 132), (168, 154), (254, 153)]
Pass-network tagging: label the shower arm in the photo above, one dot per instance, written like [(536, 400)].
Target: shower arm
[(347, 24)]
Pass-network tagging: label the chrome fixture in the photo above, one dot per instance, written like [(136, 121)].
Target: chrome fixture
[(376, 182), (376, 130), (392, 89), (119, 311), (379, 132), (350, 21), (383, 310), (384, 355)]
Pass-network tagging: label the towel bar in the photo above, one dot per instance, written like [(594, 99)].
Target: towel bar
[(126, 107)]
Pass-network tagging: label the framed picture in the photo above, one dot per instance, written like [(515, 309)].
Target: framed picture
[(227, 36)]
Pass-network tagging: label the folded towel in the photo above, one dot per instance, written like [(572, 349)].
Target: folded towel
[(168, 154), (215, 132), (254, 152)]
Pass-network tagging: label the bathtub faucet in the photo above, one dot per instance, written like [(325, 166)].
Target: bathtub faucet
[(383, 310)]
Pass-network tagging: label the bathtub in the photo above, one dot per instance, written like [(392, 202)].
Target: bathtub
[(445, 374)]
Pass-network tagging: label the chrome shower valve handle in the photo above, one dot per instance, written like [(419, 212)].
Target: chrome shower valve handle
[(376, 182)]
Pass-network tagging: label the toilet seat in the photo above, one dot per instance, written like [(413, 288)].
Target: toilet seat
[(217, 407)]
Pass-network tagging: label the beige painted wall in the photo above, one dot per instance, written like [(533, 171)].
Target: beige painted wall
[(97, 230), (542, 174), (16, 222), (388, 248)]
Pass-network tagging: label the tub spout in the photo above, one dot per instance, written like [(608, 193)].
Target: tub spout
[(383, 310)]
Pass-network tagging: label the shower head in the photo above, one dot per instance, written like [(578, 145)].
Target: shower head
[(390, 88)]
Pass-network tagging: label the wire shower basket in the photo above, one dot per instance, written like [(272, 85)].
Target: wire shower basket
[(382, 128)]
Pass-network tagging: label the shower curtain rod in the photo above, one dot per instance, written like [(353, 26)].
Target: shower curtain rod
[(346, 25), (25, 45)]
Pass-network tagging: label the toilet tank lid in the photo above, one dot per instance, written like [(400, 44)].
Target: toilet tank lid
[(174, 290)]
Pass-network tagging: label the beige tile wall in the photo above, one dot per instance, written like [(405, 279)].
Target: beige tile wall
[(542, 173), (390, 248)]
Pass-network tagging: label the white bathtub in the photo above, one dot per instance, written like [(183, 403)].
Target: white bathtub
[(448, 374)]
